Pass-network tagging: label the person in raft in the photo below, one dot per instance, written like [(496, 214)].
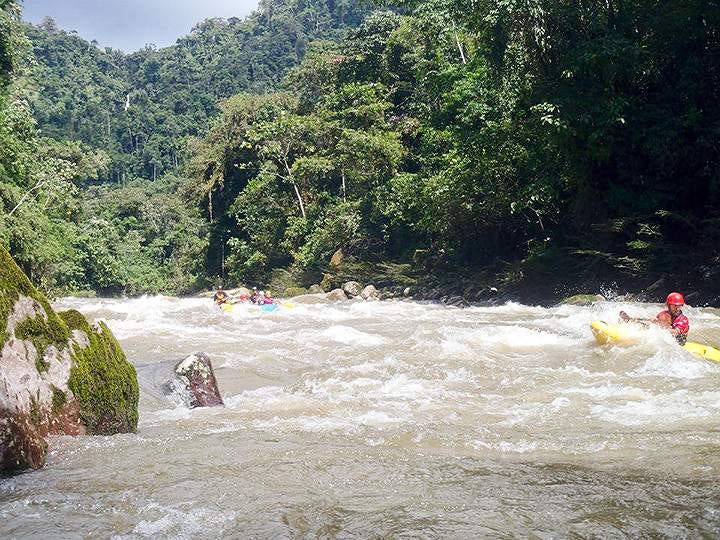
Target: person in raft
[(254, 295), (220, 297), (672, 318), (264, 298)]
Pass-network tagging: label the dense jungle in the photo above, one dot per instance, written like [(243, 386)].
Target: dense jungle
[(533, 148)]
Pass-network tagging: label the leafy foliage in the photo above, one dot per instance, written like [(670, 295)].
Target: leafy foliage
[(518, 137)]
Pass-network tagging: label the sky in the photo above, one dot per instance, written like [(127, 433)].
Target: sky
[(129, 25)]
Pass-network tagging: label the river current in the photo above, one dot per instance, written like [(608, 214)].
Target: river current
[(392, 420)]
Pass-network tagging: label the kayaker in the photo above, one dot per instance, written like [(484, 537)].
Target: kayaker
[(671, 318)]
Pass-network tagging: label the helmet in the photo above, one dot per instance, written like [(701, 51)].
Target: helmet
[(675, 299)]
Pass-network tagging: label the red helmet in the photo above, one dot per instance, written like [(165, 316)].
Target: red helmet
[(675, 299)]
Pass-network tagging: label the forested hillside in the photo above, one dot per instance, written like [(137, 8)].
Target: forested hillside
[(560, 145), (117, 128), (544, 146), (139, 107)]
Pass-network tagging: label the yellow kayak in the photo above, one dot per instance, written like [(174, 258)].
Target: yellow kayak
[(705, 351), (615, 333), (629, 333)]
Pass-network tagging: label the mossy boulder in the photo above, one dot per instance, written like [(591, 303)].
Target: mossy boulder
[(583, 299), (102, 379), (292, 292), (58, 375)]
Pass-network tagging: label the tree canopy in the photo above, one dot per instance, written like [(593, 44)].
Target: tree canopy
[(548, 140)]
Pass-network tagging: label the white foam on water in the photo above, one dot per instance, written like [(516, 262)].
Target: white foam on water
[(664, 410), (492, 374), (674, 362), (177, 413), (461, 375), (507, 447), (560, 403), (519, 338), (261, 399), (168, 521), (308, 424), (576, 372), (350, 336), (378, 418), (608, 390), (456, 348)]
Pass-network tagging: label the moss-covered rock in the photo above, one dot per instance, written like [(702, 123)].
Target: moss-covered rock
[(14, 284), (102, 379), (291, 292), (58, 375), (583, 299)]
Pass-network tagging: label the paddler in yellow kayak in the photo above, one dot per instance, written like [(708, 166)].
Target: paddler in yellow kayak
[(672, 318)]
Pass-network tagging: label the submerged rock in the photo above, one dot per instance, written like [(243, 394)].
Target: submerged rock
[(194, 382), (58, 375)]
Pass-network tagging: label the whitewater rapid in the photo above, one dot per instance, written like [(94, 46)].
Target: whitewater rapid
[(393, 419)]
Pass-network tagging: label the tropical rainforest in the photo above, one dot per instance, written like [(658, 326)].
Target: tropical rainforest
[(533, 145)]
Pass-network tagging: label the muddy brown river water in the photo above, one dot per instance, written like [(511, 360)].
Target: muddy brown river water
[(393, 420)]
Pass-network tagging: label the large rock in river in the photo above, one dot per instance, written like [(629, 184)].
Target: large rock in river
[(58, 375), (194, 382)]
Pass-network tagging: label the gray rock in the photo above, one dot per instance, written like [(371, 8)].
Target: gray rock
[(315, 289), (337, 295), (311, 299), (660, 283), (370, 293), (352, 288), (407, 291), (194, 383)]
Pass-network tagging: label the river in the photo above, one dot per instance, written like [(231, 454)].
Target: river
[(393, 420)]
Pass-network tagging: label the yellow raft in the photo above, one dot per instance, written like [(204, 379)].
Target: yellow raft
[(629, 333)]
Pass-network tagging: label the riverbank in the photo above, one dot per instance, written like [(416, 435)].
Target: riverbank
[(538, 282), (544, 282)]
